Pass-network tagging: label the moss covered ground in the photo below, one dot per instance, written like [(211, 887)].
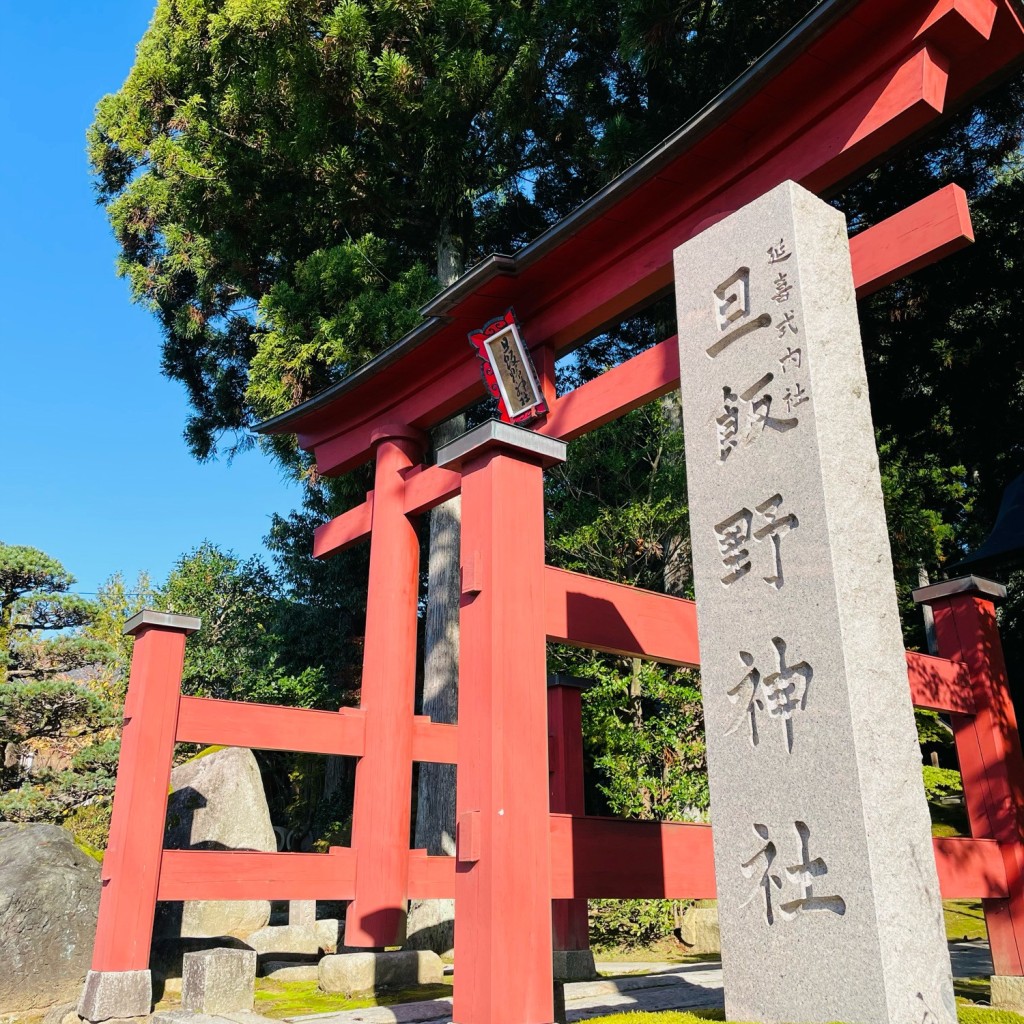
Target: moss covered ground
[(279, 999), (966, 1014)]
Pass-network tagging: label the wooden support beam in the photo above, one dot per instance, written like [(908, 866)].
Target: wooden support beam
[(255, 875), (939, 684), (588, 612), (427, 486), (970, 869), (431, 878), (381, 811), (270, 727), (343, 531), (913, 238), (434, 741), (595, 858)]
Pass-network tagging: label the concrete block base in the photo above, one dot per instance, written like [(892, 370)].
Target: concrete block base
[(1008, 992), (573, 965), (218, 980), (362, 974), (110, 994)]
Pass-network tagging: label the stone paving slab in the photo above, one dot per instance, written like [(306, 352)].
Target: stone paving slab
[(664, 986)]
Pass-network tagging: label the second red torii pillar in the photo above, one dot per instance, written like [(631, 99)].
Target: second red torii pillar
[(503, 872)]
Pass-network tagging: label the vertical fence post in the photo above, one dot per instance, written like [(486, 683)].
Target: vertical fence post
[(119, 983), (988, 748), (573, 958), (503, 870), (382, 809)]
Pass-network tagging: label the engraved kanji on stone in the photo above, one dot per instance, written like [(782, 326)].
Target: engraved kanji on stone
[(791, 357), (775, 528), (782, 288), (733, 315), (794, 396), (733, 536), (778, 253), (760, 866), (802, 876), (805, 875), (778, 694), (747, 415), (787, 325)]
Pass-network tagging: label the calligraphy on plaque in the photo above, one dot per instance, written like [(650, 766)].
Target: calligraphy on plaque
[(507, 369)]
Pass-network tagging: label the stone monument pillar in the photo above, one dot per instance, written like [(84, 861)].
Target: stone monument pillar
[(828, 896)]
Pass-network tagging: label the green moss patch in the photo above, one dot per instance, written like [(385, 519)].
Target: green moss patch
[(279, 999)]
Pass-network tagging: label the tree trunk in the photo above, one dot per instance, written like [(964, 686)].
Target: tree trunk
[(676, 567), (431, 923)]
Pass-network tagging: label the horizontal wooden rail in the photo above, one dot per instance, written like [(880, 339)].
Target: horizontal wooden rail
[(609, 858), (970, 869), (591, 858), (427, 486), (270, 726), (255, 875), (588, 612), (920, 235), (434, 741), (939, 684), (344, 530)]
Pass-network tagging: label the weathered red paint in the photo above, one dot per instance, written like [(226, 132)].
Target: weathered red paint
[(503, 887), (989, 751), (381, 815), (131, 864), (270, 727), (613, 617), (565, 791)]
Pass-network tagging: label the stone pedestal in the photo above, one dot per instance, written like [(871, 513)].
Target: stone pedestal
[(109, 994), (218, 981), (828, 896), (574, 965), (1007, 993), (302, 912), (364, 974)]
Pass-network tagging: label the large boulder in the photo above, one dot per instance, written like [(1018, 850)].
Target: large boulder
[(217, 803), (49, 896)]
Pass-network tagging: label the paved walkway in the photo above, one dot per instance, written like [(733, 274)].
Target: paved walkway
[(660, 986)]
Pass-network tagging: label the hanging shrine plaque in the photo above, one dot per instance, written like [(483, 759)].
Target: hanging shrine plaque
[(828, 896)]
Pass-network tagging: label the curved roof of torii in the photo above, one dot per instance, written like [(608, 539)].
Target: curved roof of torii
[(843, 52)]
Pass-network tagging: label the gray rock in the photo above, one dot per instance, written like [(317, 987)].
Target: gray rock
[(699, 930), (328, 932), (289, 970), (573, 964), (359, 974), (62, 1013), (49, 895), (284, 942), (820, 822), (115, 994), (217, 803), (218, 981)]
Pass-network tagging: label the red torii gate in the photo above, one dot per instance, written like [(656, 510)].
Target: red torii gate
[(853, 79)]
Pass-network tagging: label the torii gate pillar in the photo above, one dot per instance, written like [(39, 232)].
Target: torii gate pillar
[(503, 870)]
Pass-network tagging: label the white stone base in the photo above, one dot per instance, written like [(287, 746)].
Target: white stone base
[(109, 994), (1008, 992), (218, 980)]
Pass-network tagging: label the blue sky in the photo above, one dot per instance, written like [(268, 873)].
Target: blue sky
[(93, 468)]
